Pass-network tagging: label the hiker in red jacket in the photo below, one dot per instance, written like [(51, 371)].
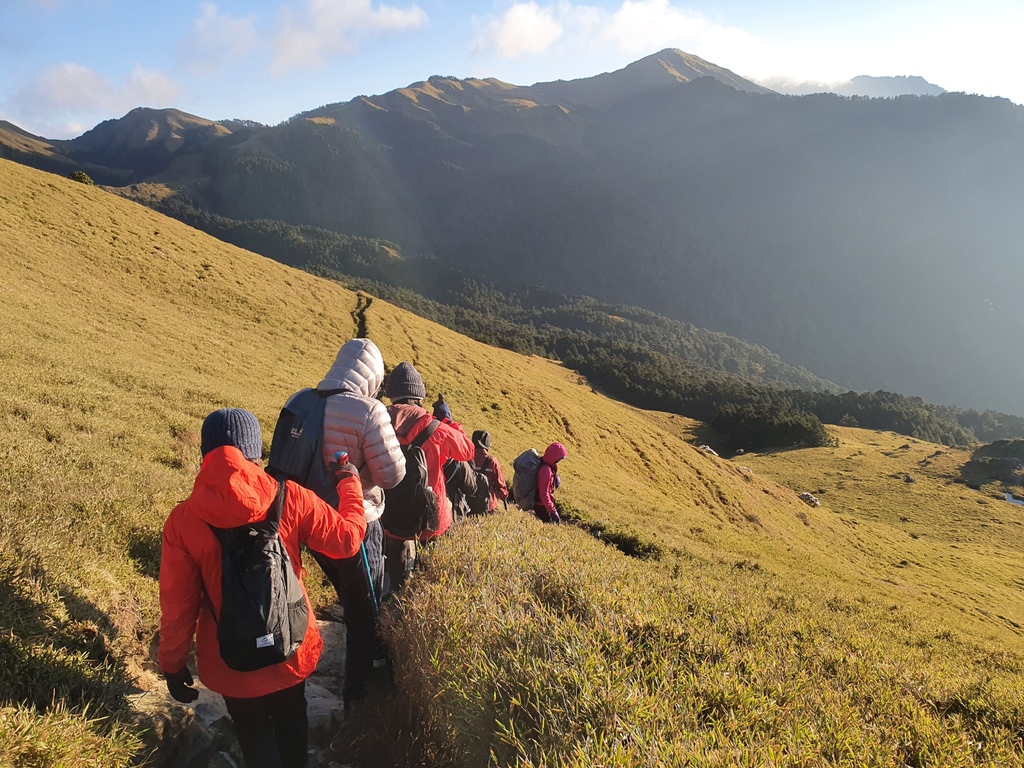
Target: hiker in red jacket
[(547, 481), (267, 705), (405, 389)]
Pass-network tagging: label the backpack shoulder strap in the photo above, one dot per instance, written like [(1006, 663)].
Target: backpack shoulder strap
[(329, 392), (276, 507), (425, 433)]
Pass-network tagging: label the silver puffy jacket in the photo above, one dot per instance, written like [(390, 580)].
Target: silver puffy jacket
[(356, 422)]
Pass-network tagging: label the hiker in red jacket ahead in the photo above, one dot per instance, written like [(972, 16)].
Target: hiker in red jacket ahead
[(268, 705), (405, 389), (547, 481)]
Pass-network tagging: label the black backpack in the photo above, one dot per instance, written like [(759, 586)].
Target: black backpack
[(297, 447), (478, 492), (411, 506), (263, 614), (469, 489)]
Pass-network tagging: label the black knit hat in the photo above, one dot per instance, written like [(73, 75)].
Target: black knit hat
[(232, 426), (483, 439), (405, 383), (441, 409)]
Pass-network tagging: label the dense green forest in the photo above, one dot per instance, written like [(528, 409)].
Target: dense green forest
[(747, 394)]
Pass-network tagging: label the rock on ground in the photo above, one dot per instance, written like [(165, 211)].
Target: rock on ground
[(200, 735)]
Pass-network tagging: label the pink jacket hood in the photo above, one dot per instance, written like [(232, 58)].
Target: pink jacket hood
[(555, 453)]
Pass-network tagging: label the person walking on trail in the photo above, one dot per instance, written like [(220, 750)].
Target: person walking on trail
[(405, 389), (485, 463), (547, 481), (231, 491), (441, 409), (356, 422)]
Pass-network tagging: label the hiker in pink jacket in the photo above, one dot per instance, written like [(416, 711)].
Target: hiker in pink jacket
[(547, 481)]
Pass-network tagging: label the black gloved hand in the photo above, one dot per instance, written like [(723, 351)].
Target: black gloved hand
[(342, 467), (179, 684)]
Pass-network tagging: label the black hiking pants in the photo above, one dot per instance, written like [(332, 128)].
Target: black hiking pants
[(348, 575), (272, 730)]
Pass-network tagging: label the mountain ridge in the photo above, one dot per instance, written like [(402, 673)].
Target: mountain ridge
[(809, 225)]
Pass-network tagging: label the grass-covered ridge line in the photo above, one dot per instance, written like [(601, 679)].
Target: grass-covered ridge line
[(121, 329)]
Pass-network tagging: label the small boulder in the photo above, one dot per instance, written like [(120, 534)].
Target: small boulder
[(810, 499)]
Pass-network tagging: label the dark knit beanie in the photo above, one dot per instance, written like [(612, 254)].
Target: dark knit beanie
[(483, 439), (405, 383), (232, 426)]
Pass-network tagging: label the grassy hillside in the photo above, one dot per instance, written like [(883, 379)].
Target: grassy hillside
[(756, 630)]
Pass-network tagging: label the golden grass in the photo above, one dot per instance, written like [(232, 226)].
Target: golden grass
[(121, 329), (932, 537), (532, 645)]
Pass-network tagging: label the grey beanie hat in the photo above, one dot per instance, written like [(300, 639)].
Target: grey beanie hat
[(405, 383), (232, 426)]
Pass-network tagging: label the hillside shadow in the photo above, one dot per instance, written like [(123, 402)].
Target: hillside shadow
[(627, 542), (144, 550), (54, 649)]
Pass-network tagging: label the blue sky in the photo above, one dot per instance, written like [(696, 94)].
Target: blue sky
[(65, 65)]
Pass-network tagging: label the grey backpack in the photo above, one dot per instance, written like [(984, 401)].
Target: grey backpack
[(524, 482)]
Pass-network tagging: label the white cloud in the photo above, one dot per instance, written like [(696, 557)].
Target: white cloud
[(649, 25), (523, 28), (637, 27), (61, 98), (328, 28), (216, 40), (146, 87)]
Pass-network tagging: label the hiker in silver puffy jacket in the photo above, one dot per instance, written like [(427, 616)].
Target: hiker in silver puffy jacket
[(355, 421)]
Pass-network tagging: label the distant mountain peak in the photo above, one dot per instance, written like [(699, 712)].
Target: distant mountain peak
[(145, 127), (861, 85), (665, 69), (685, 67), (899, 85)]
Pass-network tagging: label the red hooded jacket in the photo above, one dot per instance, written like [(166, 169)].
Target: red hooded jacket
[(231, 491), (447, 442)]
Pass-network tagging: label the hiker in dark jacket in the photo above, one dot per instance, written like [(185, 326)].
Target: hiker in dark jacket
[(484, 462), (356, 422), (475, 487), (441, 409), (267, 705), (408, 416), (547, 481)]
